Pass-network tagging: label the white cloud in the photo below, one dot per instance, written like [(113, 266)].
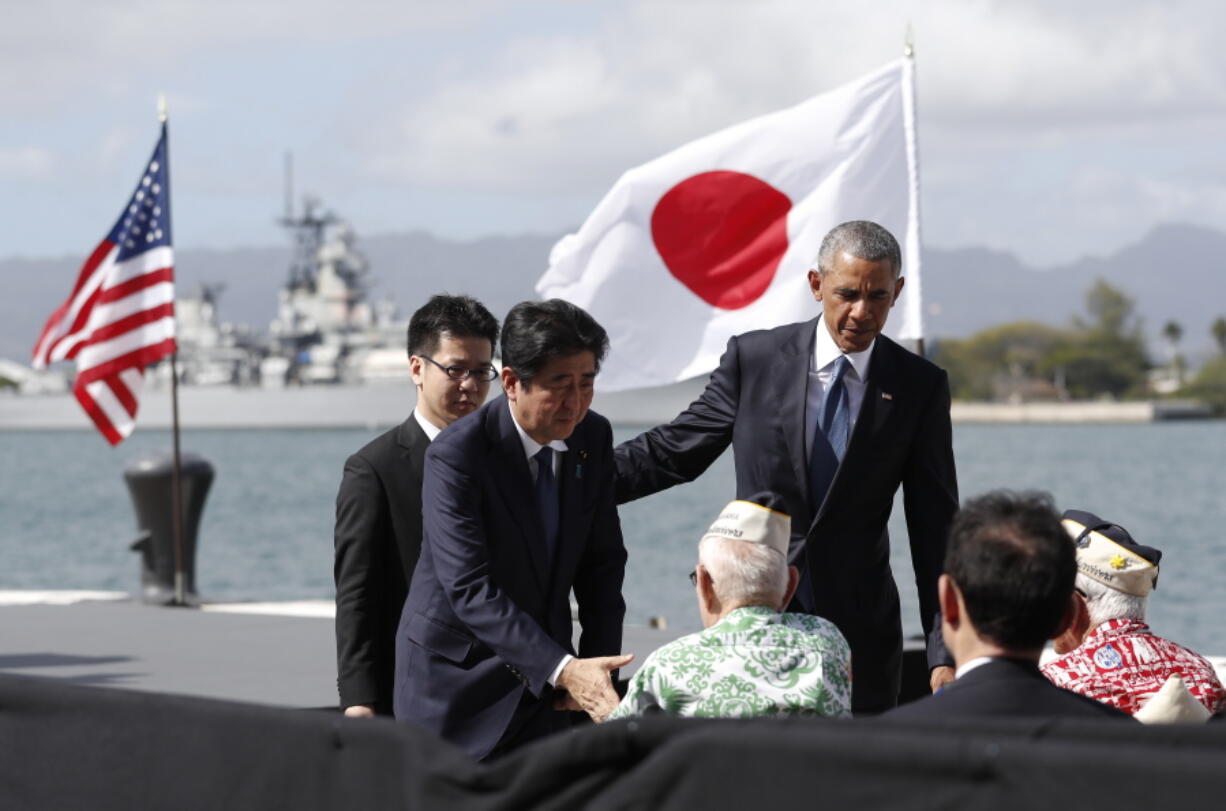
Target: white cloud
[(26, 163), (562, 111)]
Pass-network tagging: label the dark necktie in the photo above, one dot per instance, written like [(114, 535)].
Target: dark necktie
[(830, 438), (547, 499), (829, 445)]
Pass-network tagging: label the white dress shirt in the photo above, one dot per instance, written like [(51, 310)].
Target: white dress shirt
[(968, 666), (531, 448), (821, 373), (431, 430)]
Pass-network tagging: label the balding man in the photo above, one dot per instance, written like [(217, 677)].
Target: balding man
[(751, 659)]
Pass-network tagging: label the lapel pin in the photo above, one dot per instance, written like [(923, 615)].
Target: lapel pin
[(886, 396)]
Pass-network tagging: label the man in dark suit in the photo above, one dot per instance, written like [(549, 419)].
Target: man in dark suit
[(519, 510), (378, 507), (1006, 590), (834, 417)]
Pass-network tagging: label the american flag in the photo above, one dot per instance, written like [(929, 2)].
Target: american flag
[(120, 317)]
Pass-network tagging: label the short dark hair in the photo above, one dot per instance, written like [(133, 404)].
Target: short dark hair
[(536, 332), (1012, 560), (862, 239), (456, 316)]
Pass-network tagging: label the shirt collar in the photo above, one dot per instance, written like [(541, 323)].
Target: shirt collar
[(430, 429), (531, 446), (826, 352), (1121, 626), (967, 667)]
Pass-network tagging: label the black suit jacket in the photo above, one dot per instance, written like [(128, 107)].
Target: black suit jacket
[(488, 615), (755, 401), (1005, 688), (378, 540)]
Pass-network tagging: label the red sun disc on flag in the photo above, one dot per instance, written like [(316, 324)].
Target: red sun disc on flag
[(722, 234)]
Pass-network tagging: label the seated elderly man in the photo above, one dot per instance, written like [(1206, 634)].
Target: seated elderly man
[(1006, 590), (751, 659), (1110, 654)]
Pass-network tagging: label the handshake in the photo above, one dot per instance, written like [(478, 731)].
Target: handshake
[(586, 685)]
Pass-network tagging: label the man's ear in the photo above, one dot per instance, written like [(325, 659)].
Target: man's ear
[(417, 370), (510, 383), (1073, 625), (793, 582), (815, 284), (897, 289), (948, 599), (706, 591)]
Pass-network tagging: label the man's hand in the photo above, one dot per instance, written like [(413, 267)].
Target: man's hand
[(588, 685), (360, 711), (941, 676)]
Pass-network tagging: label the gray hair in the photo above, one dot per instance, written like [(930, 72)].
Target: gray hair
[(1106, 603), (863, 240), (744, 573)]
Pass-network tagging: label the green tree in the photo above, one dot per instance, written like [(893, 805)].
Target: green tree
[(1015, 350), (1106, 355), (1218, 328), (1209, 384), (1173, 333), (1110, 309)]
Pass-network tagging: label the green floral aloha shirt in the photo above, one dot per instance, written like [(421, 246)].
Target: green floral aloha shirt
[(755, 661)]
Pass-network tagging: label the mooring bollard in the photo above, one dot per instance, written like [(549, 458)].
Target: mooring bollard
[(149, 482)]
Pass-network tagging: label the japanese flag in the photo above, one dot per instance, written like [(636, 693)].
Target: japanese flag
[(716, 237)]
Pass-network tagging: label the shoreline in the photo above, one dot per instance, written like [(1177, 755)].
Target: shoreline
[(383, 406)]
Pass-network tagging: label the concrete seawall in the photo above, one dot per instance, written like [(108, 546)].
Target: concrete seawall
[(1081, 412)]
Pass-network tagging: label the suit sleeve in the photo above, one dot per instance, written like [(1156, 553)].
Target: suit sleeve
[(930, 496), (456, 536), (361, 521), (681, 450), (598, 579)]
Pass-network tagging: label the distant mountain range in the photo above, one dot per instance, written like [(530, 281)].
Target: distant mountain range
[(1175, 272)]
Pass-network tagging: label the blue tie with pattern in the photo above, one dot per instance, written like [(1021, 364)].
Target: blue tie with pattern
[(830, 438), (547, 499)]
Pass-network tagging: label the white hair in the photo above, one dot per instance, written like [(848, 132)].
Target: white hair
[(744, 573), (1105, 603)]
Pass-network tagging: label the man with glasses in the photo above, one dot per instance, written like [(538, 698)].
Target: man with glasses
[(378, 533), (751, 659), (519, 512)]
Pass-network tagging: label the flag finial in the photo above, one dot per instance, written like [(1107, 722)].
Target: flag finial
[(161, 108), (908, 45)]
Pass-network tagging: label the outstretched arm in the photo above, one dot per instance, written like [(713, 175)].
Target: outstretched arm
[(681, 450)]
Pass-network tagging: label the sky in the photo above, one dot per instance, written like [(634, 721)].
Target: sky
[(1052, 130)]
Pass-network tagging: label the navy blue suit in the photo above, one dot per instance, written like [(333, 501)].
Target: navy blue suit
[(488, 615), (1005, 687), (755, 401)]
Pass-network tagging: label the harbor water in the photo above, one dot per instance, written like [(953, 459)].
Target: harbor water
[(66, 519)]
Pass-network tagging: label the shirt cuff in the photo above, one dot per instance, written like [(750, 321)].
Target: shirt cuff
[(557, 671)]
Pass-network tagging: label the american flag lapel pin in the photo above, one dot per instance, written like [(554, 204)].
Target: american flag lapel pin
[(886, 396)]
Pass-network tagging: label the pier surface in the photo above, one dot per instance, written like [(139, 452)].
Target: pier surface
[(279, 654)]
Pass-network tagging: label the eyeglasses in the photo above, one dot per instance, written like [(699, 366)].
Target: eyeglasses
[(482, 373)]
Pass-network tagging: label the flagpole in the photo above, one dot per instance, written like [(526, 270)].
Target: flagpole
[(914, 286), (176, 471)]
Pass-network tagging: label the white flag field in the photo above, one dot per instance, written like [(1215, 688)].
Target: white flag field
[(716, 237)]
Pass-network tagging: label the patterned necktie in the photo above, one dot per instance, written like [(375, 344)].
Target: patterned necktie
[(830, 438), (547, 499), (829, 445), (836, 417)]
